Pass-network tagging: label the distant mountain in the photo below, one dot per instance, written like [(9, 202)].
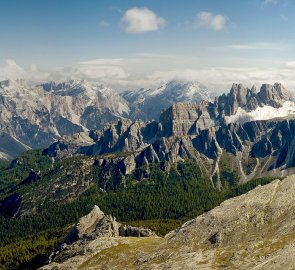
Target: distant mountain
[(147, 104), (183, 165), (34, 117), (253, 133)]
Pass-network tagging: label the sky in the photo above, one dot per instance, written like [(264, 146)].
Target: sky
[(137, 43)]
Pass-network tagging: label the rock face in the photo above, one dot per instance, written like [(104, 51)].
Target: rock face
[(252, 231), (180, 119), (93, 228), (248, 99), (201, 133), (147, 104), (34, 117), (96, 224)]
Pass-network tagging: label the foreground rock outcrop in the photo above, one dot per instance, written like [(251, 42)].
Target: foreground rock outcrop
[(252, 231), (94, 231)]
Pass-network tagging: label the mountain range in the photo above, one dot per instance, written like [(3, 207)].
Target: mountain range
[(35, 116), (252, 131), (154, 173)]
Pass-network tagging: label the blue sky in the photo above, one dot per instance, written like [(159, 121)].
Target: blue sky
[(140, 43)]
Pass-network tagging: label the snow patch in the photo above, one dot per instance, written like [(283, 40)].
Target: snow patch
[(24, 145), (262, 113), (4, 156)]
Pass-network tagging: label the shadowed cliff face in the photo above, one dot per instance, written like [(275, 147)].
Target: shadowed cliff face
[(252, 231), (200, 133)]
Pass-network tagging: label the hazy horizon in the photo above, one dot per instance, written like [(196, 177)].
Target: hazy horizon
[(132, 44)]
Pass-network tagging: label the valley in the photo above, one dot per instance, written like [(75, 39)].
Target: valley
[(157, 174)]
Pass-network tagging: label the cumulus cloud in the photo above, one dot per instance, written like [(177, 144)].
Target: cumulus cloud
[(220, 79), (145, 71), (9, 69), (207, 19), (141, 20), (290, 64)]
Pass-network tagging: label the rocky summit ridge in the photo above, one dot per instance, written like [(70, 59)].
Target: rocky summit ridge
[(147, 104), (253, 231), (33, 116), (261, 145)]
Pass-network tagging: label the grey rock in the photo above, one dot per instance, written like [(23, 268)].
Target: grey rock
[(92, 227), (253, 231)]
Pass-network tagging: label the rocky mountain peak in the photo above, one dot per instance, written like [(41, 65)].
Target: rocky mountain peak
[(274, 94), (13, 84), (150, 102), (86, 223), (248, 99), (179, 118), (238, 96), (69, 88)]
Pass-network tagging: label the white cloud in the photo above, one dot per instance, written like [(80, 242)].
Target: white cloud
[(109, 71), (140, 20), (220, 79), (145, 71), (103, 61), (290, 64), (207, 19), (258, 46), (9, 69)]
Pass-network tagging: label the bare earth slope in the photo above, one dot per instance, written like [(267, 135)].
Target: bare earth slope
[(252, 231)]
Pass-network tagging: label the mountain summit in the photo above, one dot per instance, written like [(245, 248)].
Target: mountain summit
[(34, 117), (148, 103), (251, 131)]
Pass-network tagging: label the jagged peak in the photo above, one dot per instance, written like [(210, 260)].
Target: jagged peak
[(274, 92), (13, 83), (237, 86), (78, 88), (70, 83)]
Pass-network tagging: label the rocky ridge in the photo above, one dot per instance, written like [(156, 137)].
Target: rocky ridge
[(147, 104), (253, 231), (200, 133), (35, 116)]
